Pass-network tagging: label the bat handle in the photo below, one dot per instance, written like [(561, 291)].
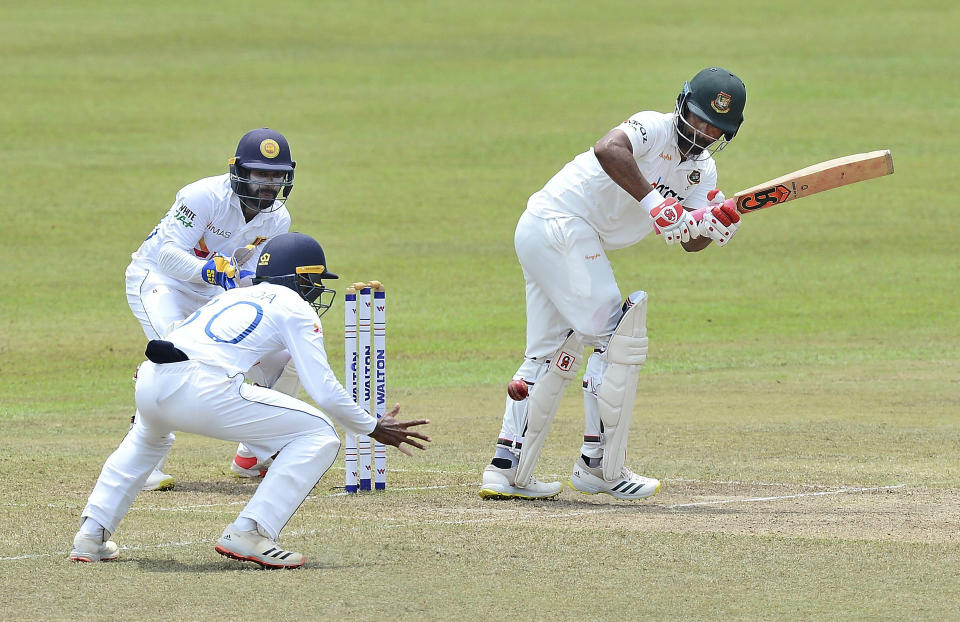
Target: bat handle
[(698, 214), (732, 203)]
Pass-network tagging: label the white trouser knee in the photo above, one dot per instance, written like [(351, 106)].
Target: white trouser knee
[(294, 472), (125, 472)]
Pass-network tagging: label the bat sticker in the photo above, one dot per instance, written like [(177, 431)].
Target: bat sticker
[(763, 198)]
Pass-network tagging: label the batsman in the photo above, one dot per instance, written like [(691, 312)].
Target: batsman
[(653, 173)]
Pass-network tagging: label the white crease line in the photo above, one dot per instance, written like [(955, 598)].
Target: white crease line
[(742, 483), (617, 508), (183, 508), (782, 497)]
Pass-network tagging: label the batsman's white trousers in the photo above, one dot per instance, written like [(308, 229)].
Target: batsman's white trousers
[(194, 397), (570, 285)]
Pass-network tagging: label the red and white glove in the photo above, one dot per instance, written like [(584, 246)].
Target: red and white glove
[(720, 219), (670, 219)]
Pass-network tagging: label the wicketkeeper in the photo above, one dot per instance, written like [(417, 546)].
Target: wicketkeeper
[(193, 381), (209, 239), (652, 173)]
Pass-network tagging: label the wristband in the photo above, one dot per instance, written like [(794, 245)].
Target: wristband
[(653, 199)]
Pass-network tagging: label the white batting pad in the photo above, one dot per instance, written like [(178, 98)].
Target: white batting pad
[(543, 403), (626, 353)]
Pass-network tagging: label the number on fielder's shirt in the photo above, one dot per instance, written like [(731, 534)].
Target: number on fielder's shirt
[(241, 326)]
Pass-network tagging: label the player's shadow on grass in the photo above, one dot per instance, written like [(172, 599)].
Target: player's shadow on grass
[(231, 486), (225, 565)]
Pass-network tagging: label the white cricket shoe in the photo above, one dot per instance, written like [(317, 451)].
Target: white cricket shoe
[(249, 467), (90, 549), (499, 484), (629, 485), (158, 480), (254, 546)]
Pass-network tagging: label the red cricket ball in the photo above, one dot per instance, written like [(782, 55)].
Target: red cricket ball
[(517, 390)]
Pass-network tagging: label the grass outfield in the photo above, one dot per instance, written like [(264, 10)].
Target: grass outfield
[(802, 394)]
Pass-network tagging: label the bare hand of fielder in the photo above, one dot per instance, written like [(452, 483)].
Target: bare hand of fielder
[(390, 431)]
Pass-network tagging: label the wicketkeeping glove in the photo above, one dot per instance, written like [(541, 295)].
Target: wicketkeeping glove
[(220, 270)]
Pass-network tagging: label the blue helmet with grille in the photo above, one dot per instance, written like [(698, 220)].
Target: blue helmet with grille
[(261, 172), (297, 261)]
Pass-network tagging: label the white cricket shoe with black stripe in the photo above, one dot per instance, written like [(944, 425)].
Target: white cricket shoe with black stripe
[(629, 485), (254, 546)]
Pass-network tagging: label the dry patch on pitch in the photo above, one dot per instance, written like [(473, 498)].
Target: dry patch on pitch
[(893, 513)]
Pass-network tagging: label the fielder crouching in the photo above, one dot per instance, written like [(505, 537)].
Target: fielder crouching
[(193, 382), (652, 173)]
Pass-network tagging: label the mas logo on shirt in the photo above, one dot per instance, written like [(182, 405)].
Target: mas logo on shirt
[(694, 177), (218, 231), (269, 148), (721, 103)]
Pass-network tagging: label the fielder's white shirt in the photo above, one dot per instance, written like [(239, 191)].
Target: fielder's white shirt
[(206, 218), (583, 189), (241, 326)]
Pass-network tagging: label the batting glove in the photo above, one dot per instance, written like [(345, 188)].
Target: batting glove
[(721, 220), (675, 223), (220, 270)]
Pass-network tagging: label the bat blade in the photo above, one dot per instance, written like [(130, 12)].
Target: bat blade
[(813, 179), (243, 254)]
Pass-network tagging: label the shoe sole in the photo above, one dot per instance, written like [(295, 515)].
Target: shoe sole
[(614, 494), (239, 471), (489, 493), (243, 558), (76, 557)]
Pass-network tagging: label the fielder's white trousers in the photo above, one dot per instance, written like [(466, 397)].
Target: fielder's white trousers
[(570, 286), (159, 301), (197, 398)]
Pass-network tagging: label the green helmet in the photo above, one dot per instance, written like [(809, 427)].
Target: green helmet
[(716, 96)]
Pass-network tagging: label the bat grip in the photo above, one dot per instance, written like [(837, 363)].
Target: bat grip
[(732, 203)]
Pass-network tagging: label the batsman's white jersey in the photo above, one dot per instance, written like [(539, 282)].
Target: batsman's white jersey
[(163, 279), (562, 241), (584, 190), (206, 395)]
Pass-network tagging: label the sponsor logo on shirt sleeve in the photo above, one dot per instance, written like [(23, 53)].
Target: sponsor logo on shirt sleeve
[(638, 127), (184, 215)]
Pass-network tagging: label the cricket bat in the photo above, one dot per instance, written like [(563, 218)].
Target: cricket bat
[(813, 179)]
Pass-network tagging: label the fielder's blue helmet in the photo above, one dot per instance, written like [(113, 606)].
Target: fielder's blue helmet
[(297, 261)]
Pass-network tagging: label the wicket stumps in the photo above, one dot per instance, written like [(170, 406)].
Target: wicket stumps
[(364, 371)]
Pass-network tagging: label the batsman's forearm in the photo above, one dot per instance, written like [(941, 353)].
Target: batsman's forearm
[(617, 162), (696, 245)]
